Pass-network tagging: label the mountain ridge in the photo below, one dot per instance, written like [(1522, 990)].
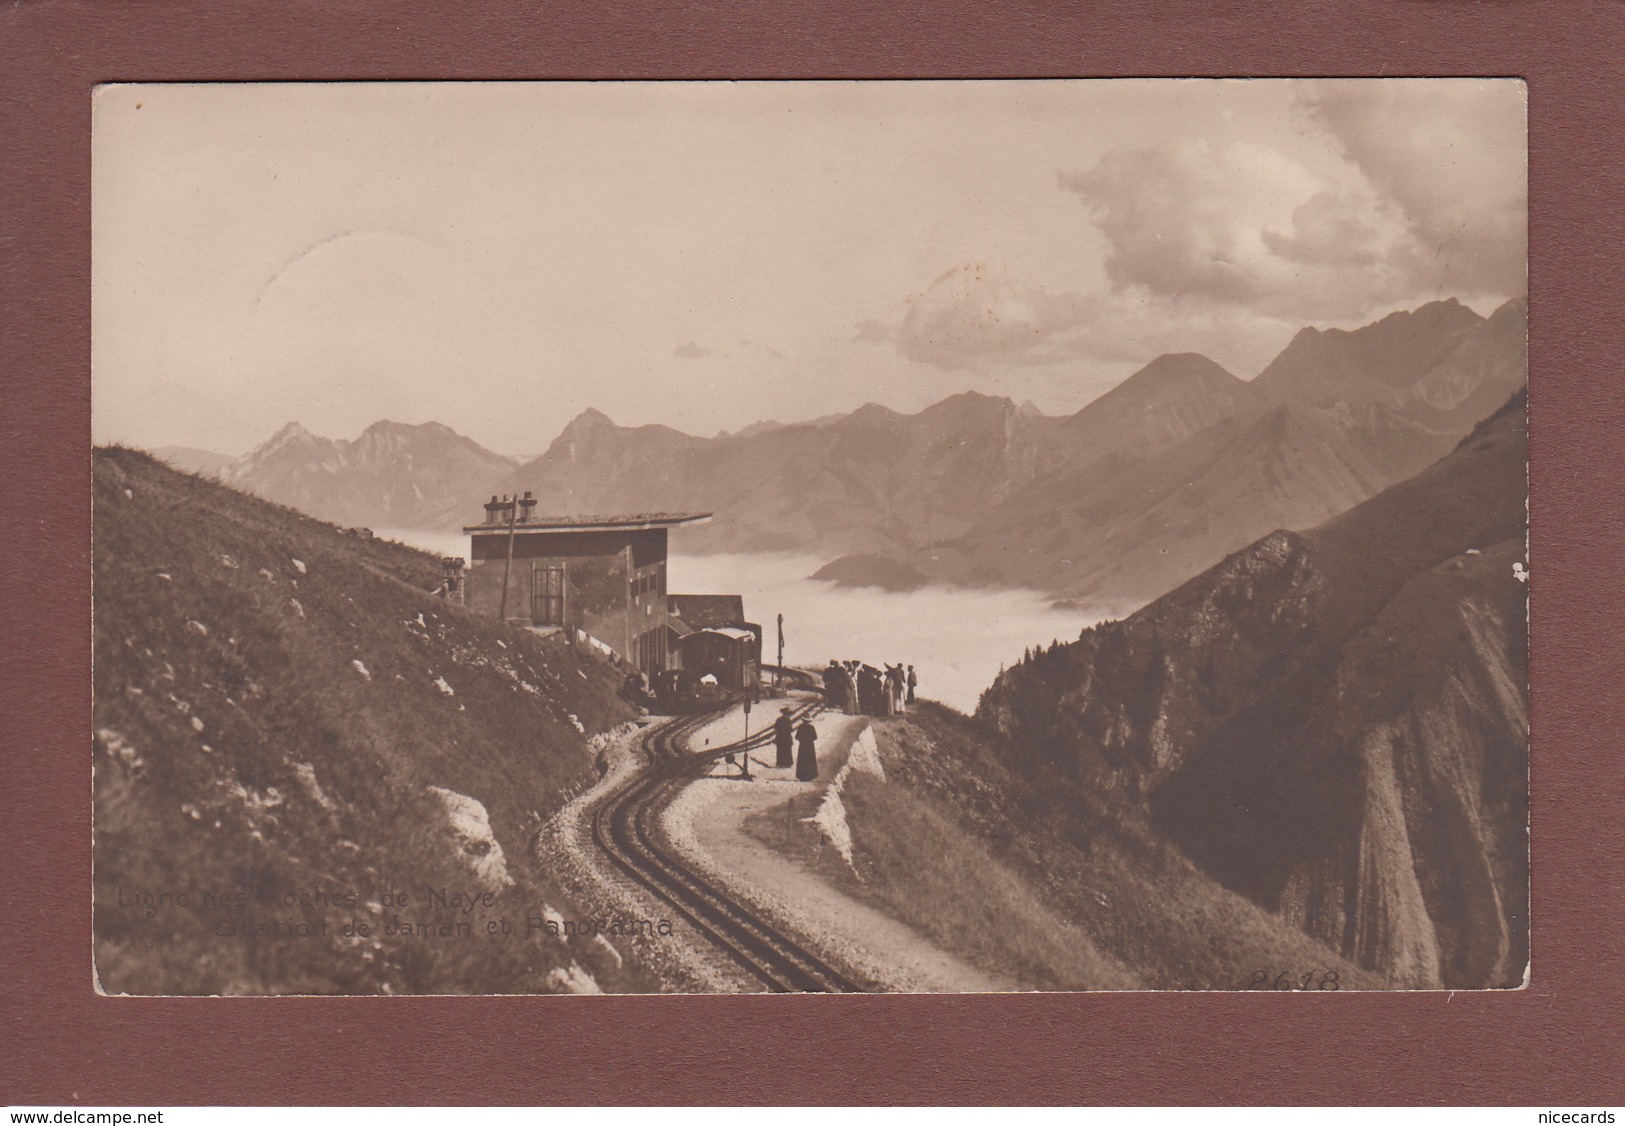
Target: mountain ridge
[(975, 490), (1154, 495), (394, 474)]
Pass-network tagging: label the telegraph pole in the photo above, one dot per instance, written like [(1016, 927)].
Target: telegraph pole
[(513, 520), (778, 670)]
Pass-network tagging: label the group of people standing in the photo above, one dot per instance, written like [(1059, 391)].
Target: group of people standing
[(861, 689), (857, 689)]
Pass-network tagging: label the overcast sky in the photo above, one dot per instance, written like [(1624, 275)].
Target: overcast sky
[(499, 257)]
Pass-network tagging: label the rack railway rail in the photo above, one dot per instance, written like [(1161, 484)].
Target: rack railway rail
[(625, 826)]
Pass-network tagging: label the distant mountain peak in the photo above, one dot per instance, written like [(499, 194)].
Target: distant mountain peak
[(591, 418), (1447, 306), (1186, 365), (291, 434), (1323, 365), (974, 396), (395, 474), (969, 405), (1516, 308), (390, 426), (289, 430), (407, 431), (1445, 315), (764, 426), (873, 412)]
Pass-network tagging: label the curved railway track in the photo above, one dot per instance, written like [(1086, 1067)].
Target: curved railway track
[(625, 826)]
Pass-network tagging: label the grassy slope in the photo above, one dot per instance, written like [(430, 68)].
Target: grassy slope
[(918, 862), (1078, 897), (243, 749)]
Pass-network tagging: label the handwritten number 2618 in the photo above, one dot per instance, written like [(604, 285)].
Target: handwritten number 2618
[(1311, 981)]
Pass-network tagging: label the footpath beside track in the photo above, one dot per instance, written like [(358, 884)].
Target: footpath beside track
[(625, 826)]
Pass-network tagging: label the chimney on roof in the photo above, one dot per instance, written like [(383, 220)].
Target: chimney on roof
[(492, 507), (527, 506)]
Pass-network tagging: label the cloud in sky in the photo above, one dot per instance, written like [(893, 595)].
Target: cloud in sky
[(1246, 225), (1382, 195), (1429, 198), (980, 321), (1451, 158), (874, 331), (978, 316), (744, 349)]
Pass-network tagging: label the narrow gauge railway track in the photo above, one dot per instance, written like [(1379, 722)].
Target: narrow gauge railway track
[(624, 826)]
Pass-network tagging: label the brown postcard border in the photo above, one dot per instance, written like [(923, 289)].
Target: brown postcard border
[(1557, 1042)]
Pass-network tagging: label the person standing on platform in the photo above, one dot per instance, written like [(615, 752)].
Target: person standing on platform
[(913, 683), (783, 737), (894, 689), (850, 683), (835, 686), (873, 690), (807, 752)]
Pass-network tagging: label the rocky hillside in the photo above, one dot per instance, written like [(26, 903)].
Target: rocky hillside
[(393, 476), (292, 737), (1332, 722)]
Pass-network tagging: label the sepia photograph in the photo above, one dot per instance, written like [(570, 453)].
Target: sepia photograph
[(804, 537)]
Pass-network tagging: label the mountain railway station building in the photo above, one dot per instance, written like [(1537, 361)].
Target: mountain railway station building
[(604, 576)]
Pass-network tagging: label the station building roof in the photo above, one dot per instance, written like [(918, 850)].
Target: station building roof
[(635, 522)]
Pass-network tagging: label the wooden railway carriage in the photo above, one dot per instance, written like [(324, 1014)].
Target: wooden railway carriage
[(716, 666)]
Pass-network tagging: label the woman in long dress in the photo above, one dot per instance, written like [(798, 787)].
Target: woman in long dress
[(807, 752), (782, 737), (899, 688)]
